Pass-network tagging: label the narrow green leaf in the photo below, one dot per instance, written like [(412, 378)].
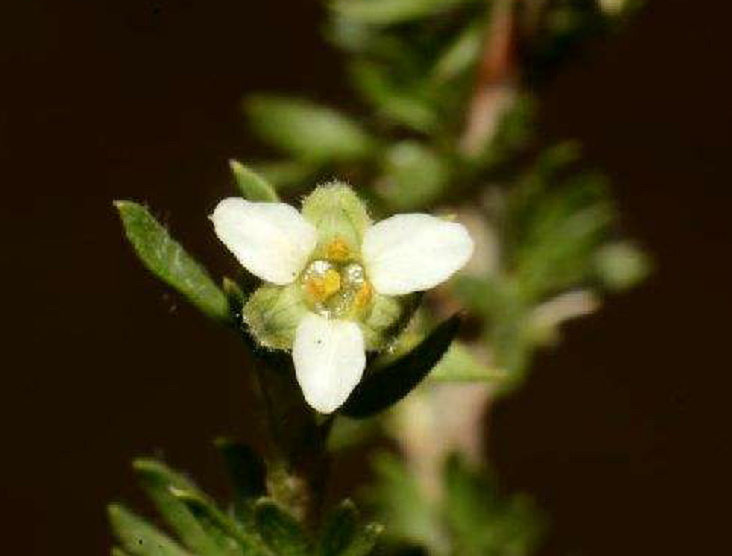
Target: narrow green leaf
[(385, 387), (308, 131), (252, 186), (460, 365), (232, 538), (391, 12), (119, 552), (139, 537), (365, 541), (621, 265), (472, 499), (461, 55), (415, 176), (407, 106), (167, 260), (287, 175), (279, 530), (402, 503), (159, 482), (339, 531)]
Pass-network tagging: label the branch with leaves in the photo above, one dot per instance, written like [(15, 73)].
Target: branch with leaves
[(346, 342)]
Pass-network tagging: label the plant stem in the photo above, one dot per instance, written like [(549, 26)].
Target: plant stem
[(297, 459), (496, 78)]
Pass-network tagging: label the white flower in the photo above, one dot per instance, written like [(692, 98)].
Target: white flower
[(332, 277)]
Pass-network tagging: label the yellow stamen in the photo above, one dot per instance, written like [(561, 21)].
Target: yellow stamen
[(364, 295), (321, 288), (338, 250)]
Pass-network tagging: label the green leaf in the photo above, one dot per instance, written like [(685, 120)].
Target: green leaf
[(394, 101), (460, 365), (286, 174), (308, 131), (246, 473), (167, 260), (139, 537), (483, 521), (279, 530), (252, 186), (621, 265), (391, 12), (119, 552), (159, 482), (339, 531), (415, 176), (220, 527), (365, 540), (569, 225), (462, 54), (401, 503), (388, 385)]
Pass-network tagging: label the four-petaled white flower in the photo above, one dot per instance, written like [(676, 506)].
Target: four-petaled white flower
[(334, 280)]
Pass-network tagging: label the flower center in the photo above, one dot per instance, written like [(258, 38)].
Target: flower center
[(336, 288)]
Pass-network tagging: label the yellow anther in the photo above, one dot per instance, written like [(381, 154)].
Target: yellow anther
[(322, 287), (338, 250), (332, 282), (364, 296)]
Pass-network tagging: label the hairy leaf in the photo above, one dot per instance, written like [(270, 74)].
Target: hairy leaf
[(139, 537), (159, 482), (279, 530), (167, 260)]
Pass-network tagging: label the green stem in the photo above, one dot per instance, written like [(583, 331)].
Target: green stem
[(297, 459)]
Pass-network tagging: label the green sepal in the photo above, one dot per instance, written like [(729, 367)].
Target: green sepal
[(388, 385), (386, 320), (379, 324), (279, 530), (167, 260), (309, 132), (138, 537), (272, 314), (159, 483), (337, 213), (252, 186), (247, 475)]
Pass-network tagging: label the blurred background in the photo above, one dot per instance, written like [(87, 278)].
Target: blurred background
[(619, 434)]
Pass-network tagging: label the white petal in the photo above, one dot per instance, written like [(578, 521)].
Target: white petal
[(329, 360), (414, 252), (271, 240)]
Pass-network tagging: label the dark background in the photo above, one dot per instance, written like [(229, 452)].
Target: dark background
[(619, 432)]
